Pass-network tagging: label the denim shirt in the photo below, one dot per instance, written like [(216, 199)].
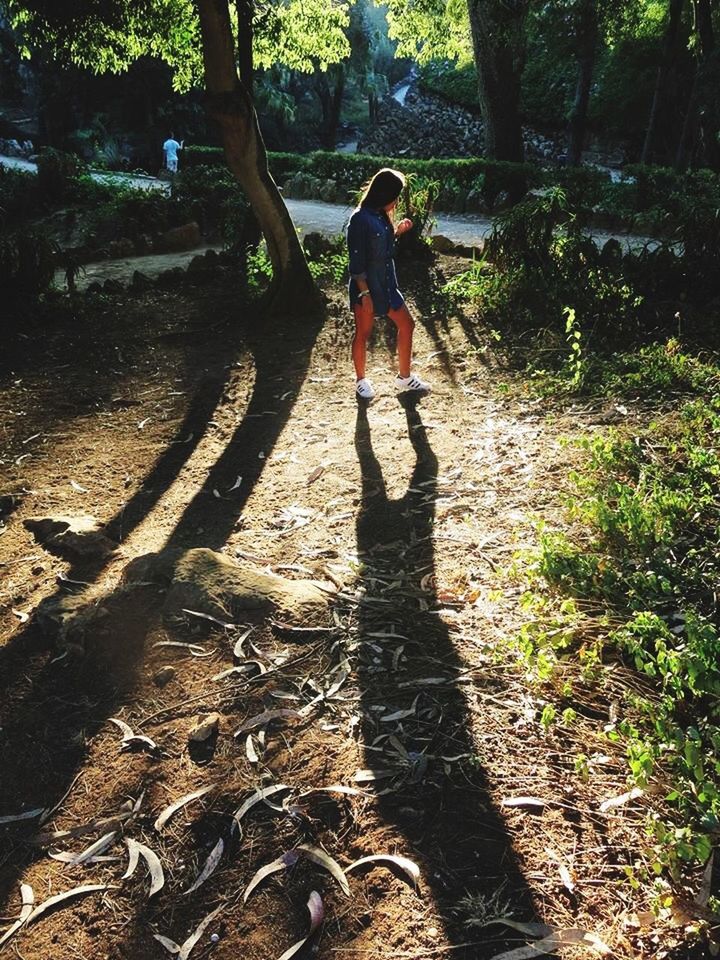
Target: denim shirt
[(371, 244)]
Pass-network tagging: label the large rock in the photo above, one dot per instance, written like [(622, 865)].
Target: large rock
[(181, 238), (208, 582), (442, 244), (74, 537), (71, 620)]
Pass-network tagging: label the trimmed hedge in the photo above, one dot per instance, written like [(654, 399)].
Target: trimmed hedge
[(339, 176), (282, 165)]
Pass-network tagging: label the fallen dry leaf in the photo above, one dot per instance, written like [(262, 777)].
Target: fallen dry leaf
[(207, 616), (250, 750), (94, 850), (194, 649), (317, 915), (132, 739), (408, 867), (210, 866), (267, 716), (284, 862), (563, 870), (238, 652), (28, 901), (256, 798), (184, 951), (335, 788), (624, 798), (523, 802), (59, 898), (17, 817), (369, 776), (157, 875), (325, 861), (554, 942), (171, 810)]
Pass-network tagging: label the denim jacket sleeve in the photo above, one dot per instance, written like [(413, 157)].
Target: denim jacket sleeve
[(357, 240)]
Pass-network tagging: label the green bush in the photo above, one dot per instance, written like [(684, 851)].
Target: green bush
[(281, 165), (19, 199), (27, 264), (57, 174), (202, 157), (455, 84), (350, 171), (540, 265), (647, 565), (212, 196)]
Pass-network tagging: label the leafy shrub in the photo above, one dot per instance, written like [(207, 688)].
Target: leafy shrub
[(648, 564), (57, 173), (18, 195), (353, 170), (204, 192), (539, 265), (213, 197), (327, 257), (282, 165), (454, 84), (27, 264), (199, 156)]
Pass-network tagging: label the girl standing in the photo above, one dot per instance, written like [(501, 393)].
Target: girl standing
[(373, 283)]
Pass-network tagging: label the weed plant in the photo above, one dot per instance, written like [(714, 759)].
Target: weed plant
[(644, 560), (566, 305)]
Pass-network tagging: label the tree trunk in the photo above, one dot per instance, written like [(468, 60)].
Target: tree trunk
[(499, 45), (245, 11), (330, 103), (671, 49), (230, 104), (697, 121), (690, 127), (707, 77), (373, 107), (587, 37)]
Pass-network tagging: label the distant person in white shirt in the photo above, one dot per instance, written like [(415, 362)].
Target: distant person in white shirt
[(170, 152)]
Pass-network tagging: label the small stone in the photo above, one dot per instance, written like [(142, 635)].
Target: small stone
[(205, 727), (163, 676)]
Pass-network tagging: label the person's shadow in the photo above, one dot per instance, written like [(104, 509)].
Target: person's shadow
[(433, 789)]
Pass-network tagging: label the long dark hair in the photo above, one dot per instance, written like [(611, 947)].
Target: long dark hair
[(385, 186)]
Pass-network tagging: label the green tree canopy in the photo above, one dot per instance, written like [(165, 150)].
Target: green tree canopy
[(109, 36), (196, 39)]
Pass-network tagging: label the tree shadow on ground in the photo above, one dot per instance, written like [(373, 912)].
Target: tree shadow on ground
[(208, 390), (437, 794), (51, 710), (424, 282)]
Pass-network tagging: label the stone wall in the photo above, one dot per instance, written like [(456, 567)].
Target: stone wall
[(428, 127)]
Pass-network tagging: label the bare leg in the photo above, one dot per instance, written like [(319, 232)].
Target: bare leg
[(363, 328), (405, 326)]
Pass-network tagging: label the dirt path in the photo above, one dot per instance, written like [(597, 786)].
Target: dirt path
[(186, 427)]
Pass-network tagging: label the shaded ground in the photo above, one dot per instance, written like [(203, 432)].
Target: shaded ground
[(190, 423)]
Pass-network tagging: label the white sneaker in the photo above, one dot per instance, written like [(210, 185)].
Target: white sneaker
[(364, 389), (413, 382)]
